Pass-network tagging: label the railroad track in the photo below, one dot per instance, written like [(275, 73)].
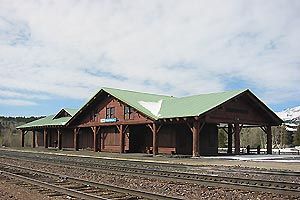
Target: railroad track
[(59, 185), (203, 179), (144, 165)]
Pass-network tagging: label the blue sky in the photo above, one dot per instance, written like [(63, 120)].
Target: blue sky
[(56, 54)]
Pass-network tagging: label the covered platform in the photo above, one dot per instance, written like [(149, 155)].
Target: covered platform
[(124, 121)]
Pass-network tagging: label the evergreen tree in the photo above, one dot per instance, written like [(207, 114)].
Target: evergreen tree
[(296, 139)]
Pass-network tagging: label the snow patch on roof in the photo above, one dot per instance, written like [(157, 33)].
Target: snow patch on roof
[(153, 107)]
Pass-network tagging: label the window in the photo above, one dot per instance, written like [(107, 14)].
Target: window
[(110, 112), (127, 112)]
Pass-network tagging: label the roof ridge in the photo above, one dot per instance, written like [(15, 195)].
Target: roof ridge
[(109, 88), (213, 93)]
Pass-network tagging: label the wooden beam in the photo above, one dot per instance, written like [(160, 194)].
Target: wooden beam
[(59, 141), (237, 130), (90, 124), (76, 133), (224, 129), (118, 127), (190, 126), (45, 138), (122, 138), (94, 129), (148, 125), (33, 139), (269, 139), (99, 138), (158, 128), (22, 138), (196, 142), (202, 125), (264, 129), (125, 129), (155, 139), (229, 142)]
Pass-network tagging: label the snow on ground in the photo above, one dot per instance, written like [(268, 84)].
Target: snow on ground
[(261, 158), (291, 129), (153, 107), (291, 125)]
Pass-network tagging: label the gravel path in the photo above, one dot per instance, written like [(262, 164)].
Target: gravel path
[(184, 190)]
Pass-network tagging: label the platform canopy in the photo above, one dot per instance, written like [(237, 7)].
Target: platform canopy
[(58, 120)]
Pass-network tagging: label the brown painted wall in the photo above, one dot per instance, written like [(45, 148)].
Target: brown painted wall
[(52, 137), (86, 138), (40, 138), (67, 138), (242, 110), (110, 139), (209, 140), (97, 111), (184, 139)]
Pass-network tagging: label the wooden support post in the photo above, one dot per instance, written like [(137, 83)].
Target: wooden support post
[(45, 138), (269, 139), (22, 138), (33, 139), (76, 131), (154, 139), (122, 138), (59, 142), (96, 140), (196, 132), (229, 142), (99, 138), (237, 139), (102, 135)]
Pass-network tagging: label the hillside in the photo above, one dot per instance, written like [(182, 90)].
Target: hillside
[(9, 135), (290, 115)]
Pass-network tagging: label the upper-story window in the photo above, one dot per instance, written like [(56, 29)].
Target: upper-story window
[(127, 112), (110, 112)]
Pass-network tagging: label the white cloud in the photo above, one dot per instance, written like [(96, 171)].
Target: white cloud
[(177, 47), (13, 94), (16, 102)]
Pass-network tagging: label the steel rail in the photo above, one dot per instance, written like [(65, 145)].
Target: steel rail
[(138, 164), (67, 191), (207, 180), (80, 194)]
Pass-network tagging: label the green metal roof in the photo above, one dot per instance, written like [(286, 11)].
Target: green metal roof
[(138, 100), (161, 106), (71, 111), (46, 121), (194, 105), (152, 105), (50, 120)]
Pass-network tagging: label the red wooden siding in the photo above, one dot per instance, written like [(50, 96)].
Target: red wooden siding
[(242, 109), (98, 112)]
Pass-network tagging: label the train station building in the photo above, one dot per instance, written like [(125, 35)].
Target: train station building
[(123, 121)]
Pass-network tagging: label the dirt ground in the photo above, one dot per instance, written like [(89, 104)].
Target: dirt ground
[(10, 191)]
